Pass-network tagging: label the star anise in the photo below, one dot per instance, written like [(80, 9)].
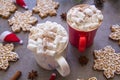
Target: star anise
[(63, 16), (32, 75), (83, 60)]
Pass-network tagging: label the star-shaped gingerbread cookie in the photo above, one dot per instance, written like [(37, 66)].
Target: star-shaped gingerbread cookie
[(46, 7), (22, 21), (107, 60), (7, 55), (6, 7), (115, 35)]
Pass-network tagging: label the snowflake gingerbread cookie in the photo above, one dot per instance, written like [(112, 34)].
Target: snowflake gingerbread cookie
[(115, 35), (107, 60), (7, 55), (6, 7), (22, 21), (92, 78), (46, 7)]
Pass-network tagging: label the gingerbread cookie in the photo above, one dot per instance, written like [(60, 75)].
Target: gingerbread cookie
[(115, 35), (6, 7), (107, 60), (7, 55), (22, 21), (46, 7), (92, 78)]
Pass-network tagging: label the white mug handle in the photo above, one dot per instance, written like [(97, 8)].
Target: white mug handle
[(63, 68)]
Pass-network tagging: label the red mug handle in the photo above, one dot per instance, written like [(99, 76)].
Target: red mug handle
[(82, 43)]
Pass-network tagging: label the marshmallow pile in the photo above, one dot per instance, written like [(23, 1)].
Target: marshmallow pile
[(48, 37), (84, 17)]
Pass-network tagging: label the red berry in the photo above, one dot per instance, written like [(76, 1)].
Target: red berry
[(53, 76)]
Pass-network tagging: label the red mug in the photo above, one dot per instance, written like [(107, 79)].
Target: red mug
[(81, 39), (80, 35)]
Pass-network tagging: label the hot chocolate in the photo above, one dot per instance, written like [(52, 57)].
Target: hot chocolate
[(84, 17), (49, 42)]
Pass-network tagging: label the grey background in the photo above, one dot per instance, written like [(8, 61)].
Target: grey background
[(26, 63)]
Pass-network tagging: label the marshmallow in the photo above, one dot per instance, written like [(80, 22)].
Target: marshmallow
[(40, 50), (93, 8), (51, 46), (100, 17), (32, 45), (95, 18), (80, 15), (62, 43), (51, 52), (57, 39), (77, 20), (88, 11)]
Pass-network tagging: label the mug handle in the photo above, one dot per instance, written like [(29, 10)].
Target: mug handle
[(82, 43), (63, 68)]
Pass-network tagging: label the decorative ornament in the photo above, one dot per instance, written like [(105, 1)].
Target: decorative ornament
[(21, 3), (8, 36)]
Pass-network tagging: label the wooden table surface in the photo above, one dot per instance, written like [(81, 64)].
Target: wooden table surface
[(26, 63)]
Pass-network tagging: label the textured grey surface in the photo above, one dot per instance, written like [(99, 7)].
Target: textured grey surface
[(27, 62)]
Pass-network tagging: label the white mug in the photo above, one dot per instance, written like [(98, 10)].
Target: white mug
[(52, 60)]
